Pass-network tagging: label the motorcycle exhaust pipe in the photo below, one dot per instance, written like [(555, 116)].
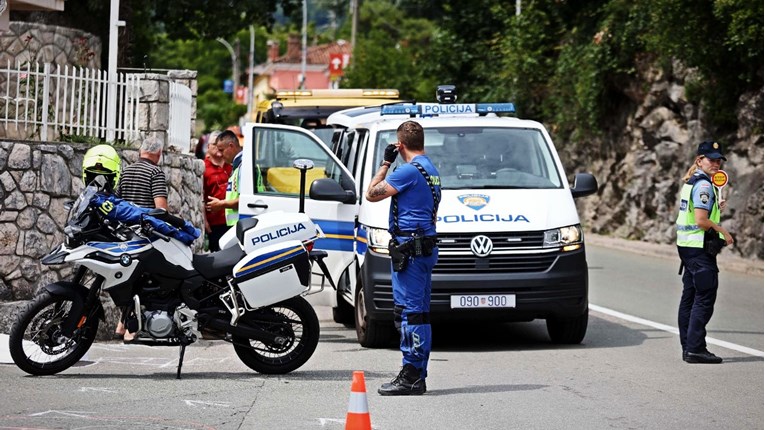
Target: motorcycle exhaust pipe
[(241, 330)]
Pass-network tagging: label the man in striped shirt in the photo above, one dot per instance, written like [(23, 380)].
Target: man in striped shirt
[(143, 183)]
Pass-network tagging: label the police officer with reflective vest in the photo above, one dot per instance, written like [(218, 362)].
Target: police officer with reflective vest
[(699, 238), (415, 191), (228, 143)]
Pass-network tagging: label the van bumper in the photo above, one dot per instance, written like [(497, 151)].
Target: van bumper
[(560, 291)]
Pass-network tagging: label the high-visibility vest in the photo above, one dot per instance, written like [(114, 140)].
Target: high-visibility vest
[(689, 234), (232, 192)]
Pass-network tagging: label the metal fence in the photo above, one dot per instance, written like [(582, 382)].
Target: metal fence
[(179, 130), (58, 101)]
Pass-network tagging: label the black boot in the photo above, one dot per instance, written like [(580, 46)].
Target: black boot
[(407, 383)]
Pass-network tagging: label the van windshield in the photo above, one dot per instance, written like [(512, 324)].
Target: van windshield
[(485, 157)]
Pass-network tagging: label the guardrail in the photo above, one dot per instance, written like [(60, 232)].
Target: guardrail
[(65, 101)]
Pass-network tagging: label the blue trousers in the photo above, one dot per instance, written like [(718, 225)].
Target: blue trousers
[(698, 300), (411, 299)]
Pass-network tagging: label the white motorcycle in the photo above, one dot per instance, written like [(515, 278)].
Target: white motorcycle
[(249, 295)]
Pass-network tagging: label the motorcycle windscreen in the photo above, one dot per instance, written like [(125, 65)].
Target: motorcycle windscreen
[(273, 273)]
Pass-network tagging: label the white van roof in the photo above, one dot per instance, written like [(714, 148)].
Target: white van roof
[(370, 116)]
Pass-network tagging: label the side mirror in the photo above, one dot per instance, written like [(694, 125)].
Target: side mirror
[(584, 185), (327, 189)]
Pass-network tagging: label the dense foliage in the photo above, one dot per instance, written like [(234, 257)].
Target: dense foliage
[(564, 61)]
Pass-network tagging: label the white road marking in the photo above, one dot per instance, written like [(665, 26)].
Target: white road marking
[(97, 389), (674, 330)]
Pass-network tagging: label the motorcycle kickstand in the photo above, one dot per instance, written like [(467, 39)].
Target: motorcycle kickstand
[(180, 360)]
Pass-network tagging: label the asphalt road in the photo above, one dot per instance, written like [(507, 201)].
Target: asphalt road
[(625, 374)]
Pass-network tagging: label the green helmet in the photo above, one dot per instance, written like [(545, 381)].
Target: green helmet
[(102, 160)]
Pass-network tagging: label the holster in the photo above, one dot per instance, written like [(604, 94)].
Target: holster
[(418, 246), (712, 242)]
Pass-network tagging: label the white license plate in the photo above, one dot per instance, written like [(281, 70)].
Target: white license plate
[(483, 301)]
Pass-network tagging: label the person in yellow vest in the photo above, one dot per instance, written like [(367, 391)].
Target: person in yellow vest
[(228, 143), (699, 238)]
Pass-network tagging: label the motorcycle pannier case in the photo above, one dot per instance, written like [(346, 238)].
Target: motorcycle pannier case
[(273, 273)]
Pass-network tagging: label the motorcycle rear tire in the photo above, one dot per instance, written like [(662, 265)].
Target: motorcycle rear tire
[(35, 313), (274, 360)]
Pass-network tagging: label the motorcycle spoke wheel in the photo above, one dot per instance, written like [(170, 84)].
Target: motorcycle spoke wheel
[(294, 321), (36, 342)]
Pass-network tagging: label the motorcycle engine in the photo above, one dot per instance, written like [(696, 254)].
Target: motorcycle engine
[(159, 323)]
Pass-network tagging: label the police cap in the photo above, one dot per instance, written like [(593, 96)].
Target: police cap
[(711, 149)]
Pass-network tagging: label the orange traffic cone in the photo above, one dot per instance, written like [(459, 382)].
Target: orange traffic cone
[(358, 410)]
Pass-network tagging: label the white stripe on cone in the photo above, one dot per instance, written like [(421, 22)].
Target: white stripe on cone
[(357, 403)]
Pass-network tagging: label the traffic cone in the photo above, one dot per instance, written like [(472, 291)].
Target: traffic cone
[(358, 410)]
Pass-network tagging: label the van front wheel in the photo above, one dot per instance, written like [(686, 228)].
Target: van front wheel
[(371, 333), (568, 330)]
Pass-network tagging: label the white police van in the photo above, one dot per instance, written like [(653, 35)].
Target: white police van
[(510, 244)]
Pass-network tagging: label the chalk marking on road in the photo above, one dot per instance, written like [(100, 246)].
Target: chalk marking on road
[(78, 414), (324, 421), (195, 403), (670, 329), (97, 389)]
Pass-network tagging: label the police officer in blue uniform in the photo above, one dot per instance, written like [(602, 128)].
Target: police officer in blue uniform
[(699, 238), (415, 191)]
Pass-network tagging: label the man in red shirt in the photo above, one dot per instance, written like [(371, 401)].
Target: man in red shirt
[(215, 180)]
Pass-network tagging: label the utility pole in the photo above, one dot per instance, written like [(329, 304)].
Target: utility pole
[(111, 107), (354, 20), (234, 71), (305, 43), (517, 7)]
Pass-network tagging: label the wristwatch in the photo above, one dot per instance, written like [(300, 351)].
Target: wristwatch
[(385, 163)]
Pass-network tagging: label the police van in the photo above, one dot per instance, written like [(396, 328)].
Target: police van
[(511, 247)]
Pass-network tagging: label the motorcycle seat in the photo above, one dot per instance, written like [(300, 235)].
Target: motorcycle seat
[(218, 264)]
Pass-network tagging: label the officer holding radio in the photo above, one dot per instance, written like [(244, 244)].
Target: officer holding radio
[(699, 238), (415, 191)]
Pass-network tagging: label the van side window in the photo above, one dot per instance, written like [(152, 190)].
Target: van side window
[(276, 150)]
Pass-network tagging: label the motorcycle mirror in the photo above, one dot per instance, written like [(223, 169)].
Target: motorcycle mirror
[(304, 165)]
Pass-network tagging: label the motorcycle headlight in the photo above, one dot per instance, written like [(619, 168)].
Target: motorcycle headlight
[(378, 239), (568, 238)]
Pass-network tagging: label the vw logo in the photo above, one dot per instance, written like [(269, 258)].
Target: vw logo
[(481, 246)]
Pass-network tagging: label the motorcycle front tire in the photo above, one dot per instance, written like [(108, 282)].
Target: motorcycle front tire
[(31, 340), (298, 322)]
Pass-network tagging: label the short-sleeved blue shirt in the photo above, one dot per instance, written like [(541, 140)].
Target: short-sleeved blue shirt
[(415, 199), (703, 193)]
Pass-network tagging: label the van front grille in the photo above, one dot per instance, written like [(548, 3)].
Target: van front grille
[(513, 252)]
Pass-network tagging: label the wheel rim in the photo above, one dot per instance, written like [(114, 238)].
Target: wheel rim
[(42, 342), (361, 312), (289, 327)]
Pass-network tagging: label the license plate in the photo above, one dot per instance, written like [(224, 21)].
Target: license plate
[(483, 301)]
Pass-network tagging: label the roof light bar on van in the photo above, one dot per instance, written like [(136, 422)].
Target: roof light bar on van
[(401, 110), (495, 107), (284, 93), (380, 93)]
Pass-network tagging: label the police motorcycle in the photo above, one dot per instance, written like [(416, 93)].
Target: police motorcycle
[(250, 295)]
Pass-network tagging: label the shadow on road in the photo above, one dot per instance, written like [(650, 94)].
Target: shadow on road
[(482, 389)]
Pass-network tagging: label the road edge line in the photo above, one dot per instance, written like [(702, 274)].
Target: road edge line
[(674, 330)]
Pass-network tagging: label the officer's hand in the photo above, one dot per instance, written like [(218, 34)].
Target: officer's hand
[(214, 204), (723, 204), (728, 238), (391, 152)]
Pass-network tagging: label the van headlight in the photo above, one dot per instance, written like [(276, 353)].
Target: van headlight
[(569, 238), (378, 239)]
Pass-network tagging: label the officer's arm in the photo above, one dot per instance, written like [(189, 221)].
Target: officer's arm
[(378, 188), (701, 216)]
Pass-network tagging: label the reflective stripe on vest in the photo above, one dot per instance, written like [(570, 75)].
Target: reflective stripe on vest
[(232, 192), (689, 234)]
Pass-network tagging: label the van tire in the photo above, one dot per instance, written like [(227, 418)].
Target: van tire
[(568, 330), (343, 312), (371, 333)]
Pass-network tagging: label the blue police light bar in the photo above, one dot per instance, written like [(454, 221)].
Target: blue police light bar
[(495, 108), (400, 110)]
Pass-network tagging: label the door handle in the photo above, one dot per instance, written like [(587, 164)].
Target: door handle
[(257, 205)]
